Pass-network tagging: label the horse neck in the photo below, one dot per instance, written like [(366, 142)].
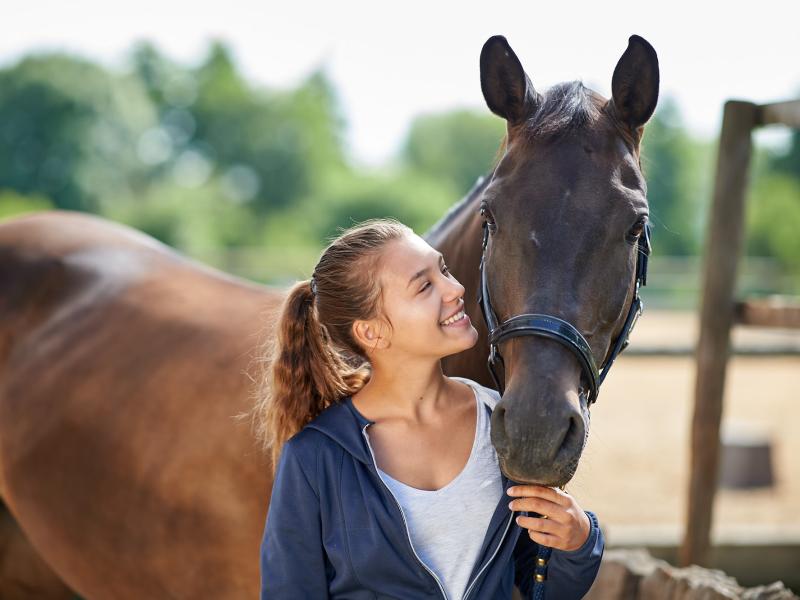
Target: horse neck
[(457, 235)]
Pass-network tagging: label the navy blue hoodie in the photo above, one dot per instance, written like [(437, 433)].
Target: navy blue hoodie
[(335, 531)]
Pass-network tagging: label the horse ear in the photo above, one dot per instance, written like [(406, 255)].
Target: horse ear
[(506, 87), (634, 85)]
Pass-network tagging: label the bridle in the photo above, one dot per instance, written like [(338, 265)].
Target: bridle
[(559, 329), (565, 333)]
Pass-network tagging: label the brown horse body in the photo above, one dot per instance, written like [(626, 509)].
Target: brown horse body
[(125, 467), (122, 372), (124, 461)]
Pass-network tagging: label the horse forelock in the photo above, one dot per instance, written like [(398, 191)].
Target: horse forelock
[(562, 108)]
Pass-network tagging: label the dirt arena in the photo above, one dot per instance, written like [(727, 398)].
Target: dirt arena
[(634, 471)]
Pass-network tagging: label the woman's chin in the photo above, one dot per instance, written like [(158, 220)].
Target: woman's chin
[(467, 338)]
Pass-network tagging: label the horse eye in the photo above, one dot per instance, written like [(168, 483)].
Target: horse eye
[(636, 231)]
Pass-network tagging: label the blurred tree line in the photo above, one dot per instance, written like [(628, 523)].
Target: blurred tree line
[(206, 162)]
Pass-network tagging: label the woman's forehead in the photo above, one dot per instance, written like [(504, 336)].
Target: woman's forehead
[(405, 256)]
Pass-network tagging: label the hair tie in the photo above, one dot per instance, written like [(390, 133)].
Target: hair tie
[(313, 285)]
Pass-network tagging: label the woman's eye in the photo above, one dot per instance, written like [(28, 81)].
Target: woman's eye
[(445, 270)]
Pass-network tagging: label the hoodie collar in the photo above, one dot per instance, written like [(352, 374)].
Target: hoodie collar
[(343, 423)]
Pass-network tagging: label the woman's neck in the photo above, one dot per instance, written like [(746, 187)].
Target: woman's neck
[(407, 392)]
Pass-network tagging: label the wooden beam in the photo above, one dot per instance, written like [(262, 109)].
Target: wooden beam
[(783, 113), (723, 243), (776, 311)]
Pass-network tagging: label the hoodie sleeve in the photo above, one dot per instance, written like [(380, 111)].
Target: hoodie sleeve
[(292, 556), (570, 574)]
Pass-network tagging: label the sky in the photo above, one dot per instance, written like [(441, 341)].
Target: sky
[(393, 61)]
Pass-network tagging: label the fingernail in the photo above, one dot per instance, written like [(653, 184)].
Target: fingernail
[(511, 505), (511, 491)]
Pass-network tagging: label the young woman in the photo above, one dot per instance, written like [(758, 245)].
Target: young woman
[(387, 484)]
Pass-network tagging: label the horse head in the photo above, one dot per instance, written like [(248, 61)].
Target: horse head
[(565, 217)]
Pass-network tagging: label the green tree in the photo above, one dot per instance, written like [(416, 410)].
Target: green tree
[(773, 214), (69, 130), (789, 162), (286, 140), (458, 146), (676, 170), (13, 204), (414, 198), (194, 220)]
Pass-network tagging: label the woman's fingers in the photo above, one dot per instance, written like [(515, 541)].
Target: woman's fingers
[(545, 539), (563, 524), (540, 525), (539, 491), (541, 506), (545, 531)]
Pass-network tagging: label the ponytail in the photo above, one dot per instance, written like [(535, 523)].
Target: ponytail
[(312, 359)]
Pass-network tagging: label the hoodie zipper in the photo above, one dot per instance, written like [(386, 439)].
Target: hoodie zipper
[(500, 543), (402, 514), (408, 533)]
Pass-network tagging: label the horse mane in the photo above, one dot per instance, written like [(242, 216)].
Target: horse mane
[(475, 191), (562, 108)]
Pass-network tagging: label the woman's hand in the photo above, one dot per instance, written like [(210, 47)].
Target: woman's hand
[(564, 527)]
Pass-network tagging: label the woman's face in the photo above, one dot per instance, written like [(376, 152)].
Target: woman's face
[(419, 298)]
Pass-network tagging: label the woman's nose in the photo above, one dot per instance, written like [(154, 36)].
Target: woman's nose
[(455, 290)]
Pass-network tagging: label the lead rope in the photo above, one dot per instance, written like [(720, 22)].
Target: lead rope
[(540, 569), (540, 572)]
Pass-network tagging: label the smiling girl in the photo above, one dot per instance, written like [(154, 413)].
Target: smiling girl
[(386, 484)]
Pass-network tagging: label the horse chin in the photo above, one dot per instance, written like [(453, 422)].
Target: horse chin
[(549, 477)]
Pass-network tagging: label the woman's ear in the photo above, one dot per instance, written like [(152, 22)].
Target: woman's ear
[(371, 334)]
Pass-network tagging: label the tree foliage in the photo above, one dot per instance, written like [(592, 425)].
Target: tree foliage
[(459, 145), (202, 158), (68, 130)]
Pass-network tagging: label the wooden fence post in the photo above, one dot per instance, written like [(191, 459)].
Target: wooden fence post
[(723, 245)]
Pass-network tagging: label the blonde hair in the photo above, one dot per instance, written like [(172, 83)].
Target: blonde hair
[(313, 360)]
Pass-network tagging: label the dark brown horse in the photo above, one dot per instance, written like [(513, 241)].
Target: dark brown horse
[(566, 204), (125, 468)]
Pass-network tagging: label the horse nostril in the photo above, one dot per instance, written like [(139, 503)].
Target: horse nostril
[(574, 436), (500, 411), (569, 434)]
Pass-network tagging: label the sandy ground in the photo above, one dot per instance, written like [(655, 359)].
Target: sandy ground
[(634, 470)]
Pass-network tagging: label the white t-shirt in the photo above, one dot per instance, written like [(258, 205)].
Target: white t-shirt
[(447, 526)]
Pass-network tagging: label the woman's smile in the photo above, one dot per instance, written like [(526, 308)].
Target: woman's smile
[(460, 319)]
